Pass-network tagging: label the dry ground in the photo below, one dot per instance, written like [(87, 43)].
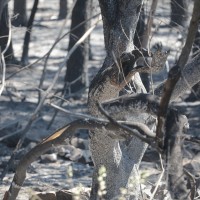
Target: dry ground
[(19, 101)]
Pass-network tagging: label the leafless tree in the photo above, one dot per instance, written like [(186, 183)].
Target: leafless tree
[(76, 75), (121, 126)]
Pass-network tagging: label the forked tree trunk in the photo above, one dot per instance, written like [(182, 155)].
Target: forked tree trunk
[(76, 76), (121, 159)]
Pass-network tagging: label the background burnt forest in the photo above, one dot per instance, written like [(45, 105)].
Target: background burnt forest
[(69, 166)]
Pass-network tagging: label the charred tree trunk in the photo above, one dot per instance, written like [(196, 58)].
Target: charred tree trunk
[(27, 37), (76, 76), (179, 14), (4, 33), (62, 9), (20, 16), (120, 159)]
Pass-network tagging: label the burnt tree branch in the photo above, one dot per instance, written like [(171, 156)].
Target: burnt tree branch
[(57, 138), (175, 74)]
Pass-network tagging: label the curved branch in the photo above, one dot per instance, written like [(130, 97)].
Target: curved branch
[(58, 138), (37, 110)]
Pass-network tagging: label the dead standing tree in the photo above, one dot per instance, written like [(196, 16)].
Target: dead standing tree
[(76, 74), (120, 158)]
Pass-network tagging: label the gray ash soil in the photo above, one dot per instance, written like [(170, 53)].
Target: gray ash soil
[(19, 100)]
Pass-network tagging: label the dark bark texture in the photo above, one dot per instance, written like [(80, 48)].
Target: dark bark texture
[(20, 16), (4, 32), (179, 15), (62, 9), (76, 75), (27, 37)]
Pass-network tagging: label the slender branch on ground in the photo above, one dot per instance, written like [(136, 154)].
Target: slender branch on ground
[(38, 108), (175, 73)]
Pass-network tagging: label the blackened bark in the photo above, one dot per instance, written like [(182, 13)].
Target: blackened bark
[(179, 9), (62, 9), (4, 32), (76, 76), (20, 16), (27, 37)]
